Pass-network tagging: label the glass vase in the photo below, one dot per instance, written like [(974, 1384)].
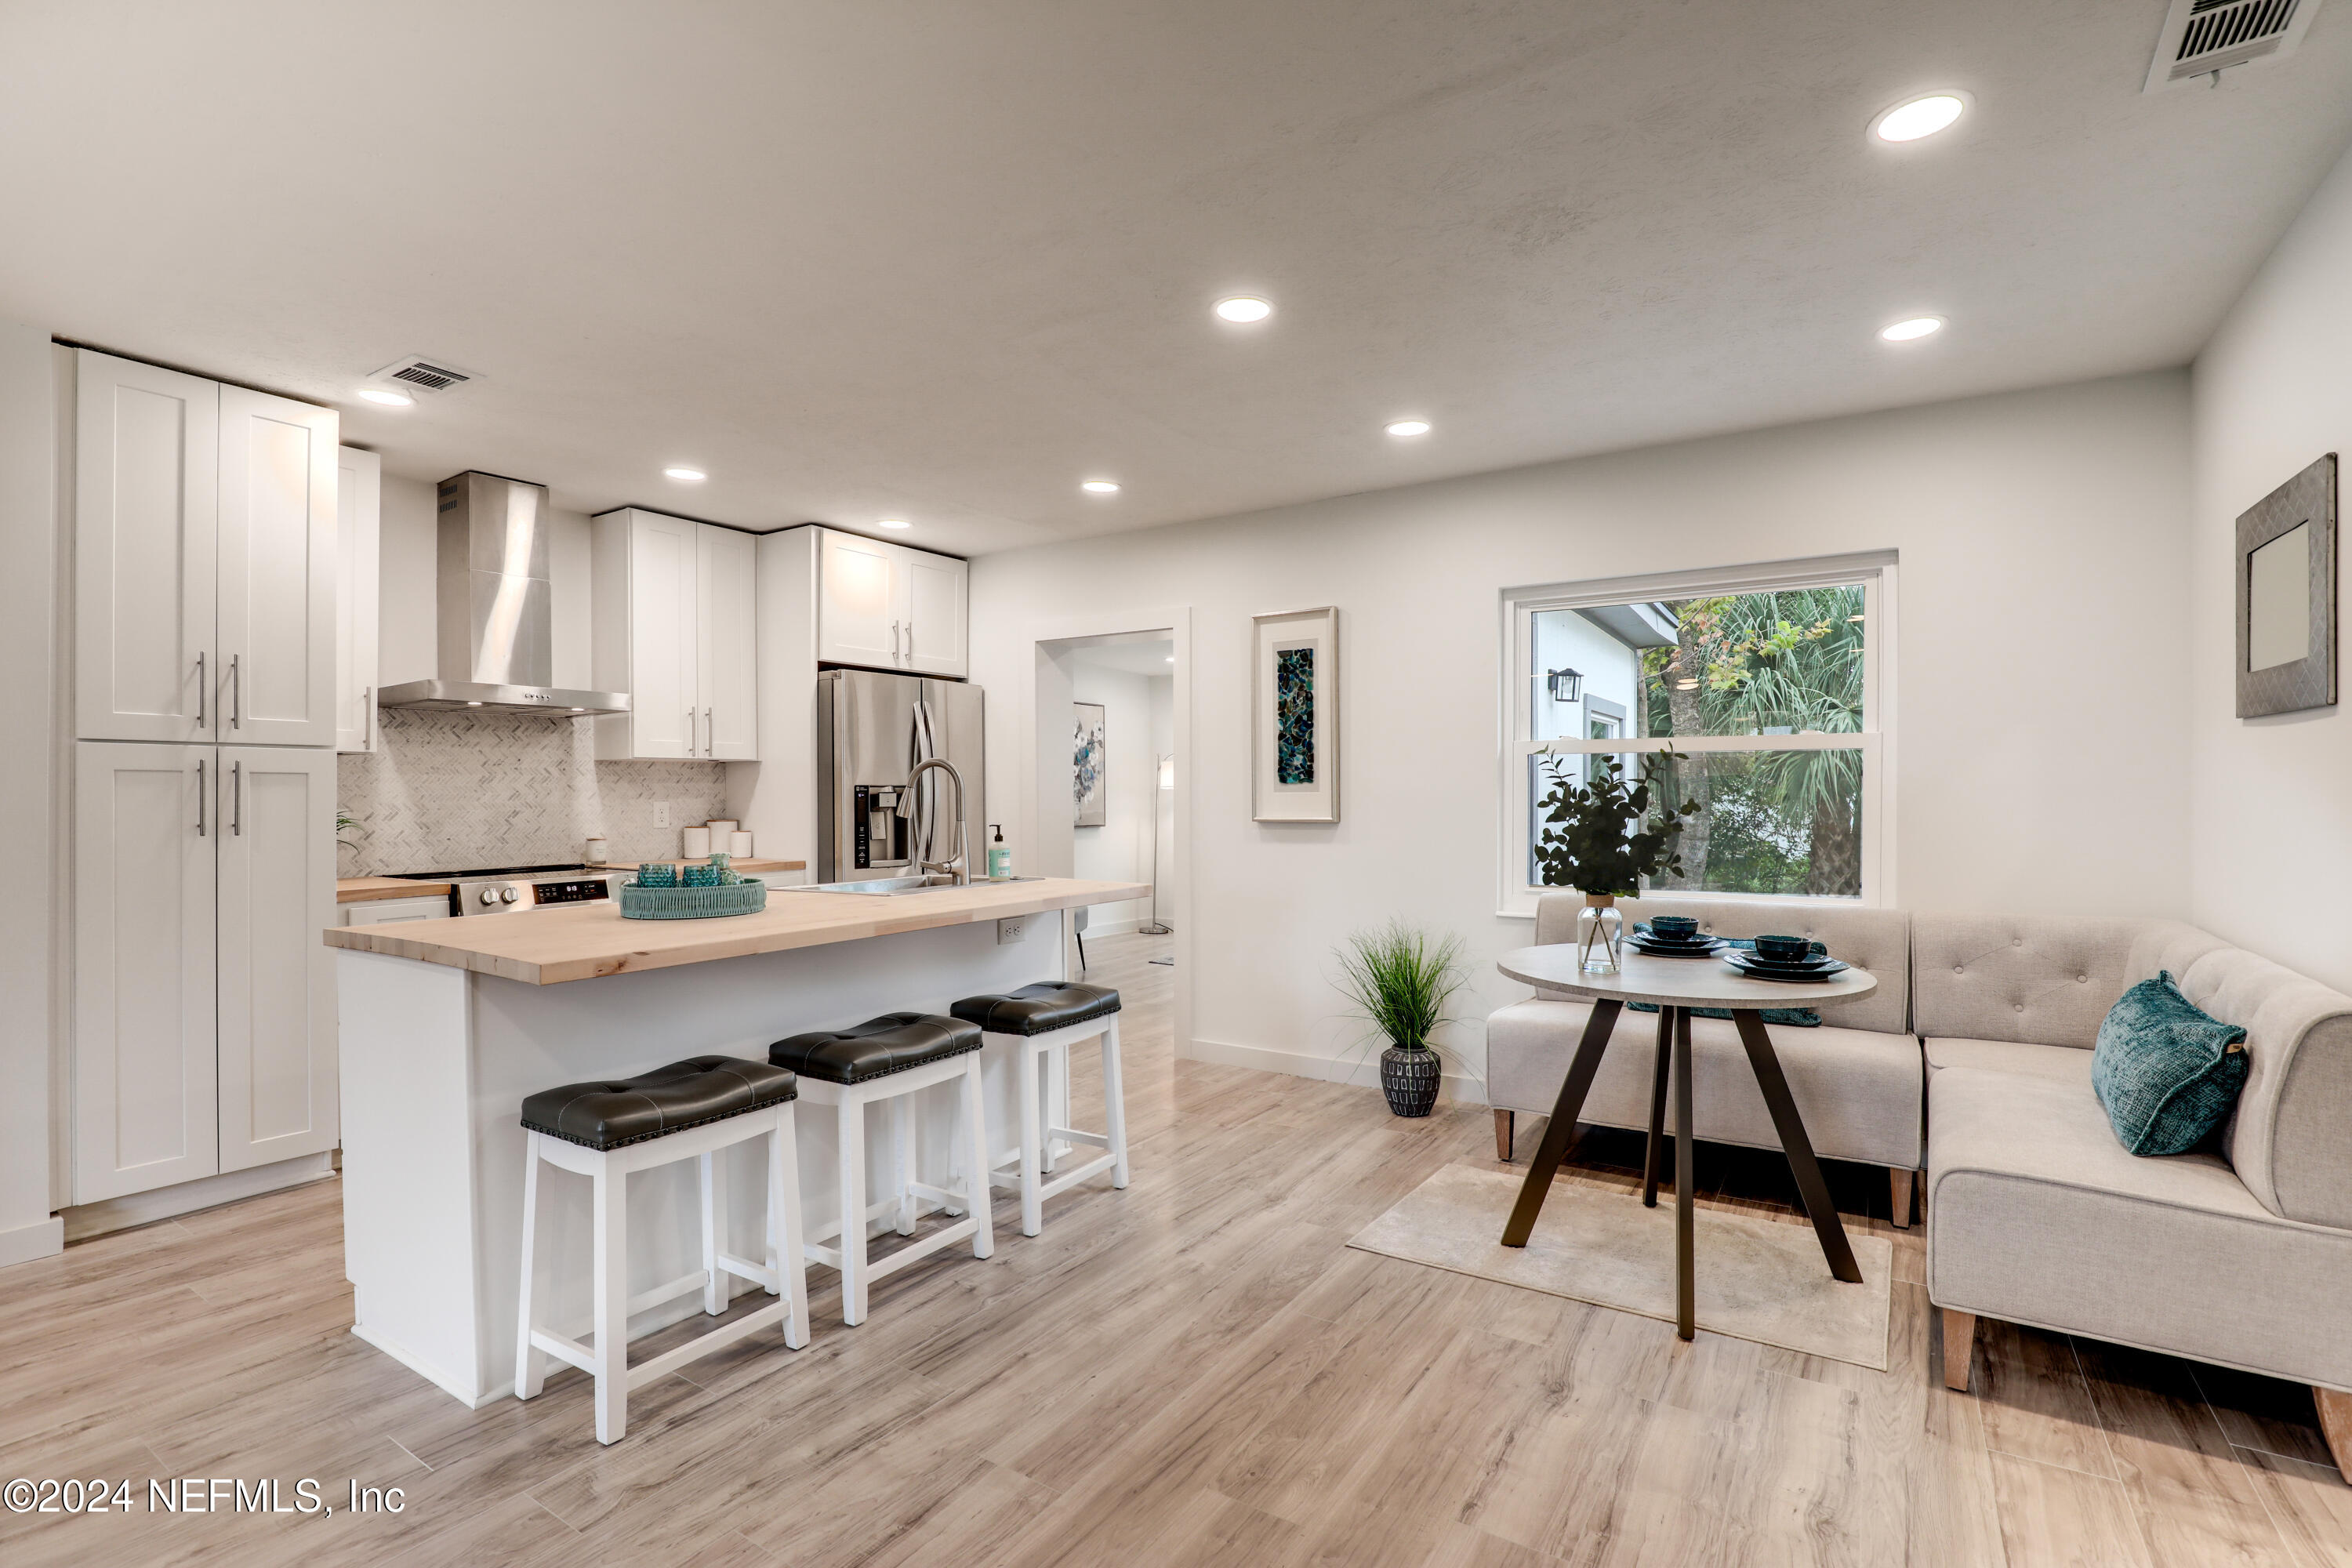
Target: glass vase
[(1600, 935)]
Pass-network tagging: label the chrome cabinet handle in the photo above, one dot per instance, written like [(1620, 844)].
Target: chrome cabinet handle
[(237, 798), (709, 732), (894, 639), (367, 718), (199, 798), (201, 684), (235, 693), (692, 744)]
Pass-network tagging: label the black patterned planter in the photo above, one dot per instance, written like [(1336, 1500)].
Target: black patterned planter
[(1410, 1080)]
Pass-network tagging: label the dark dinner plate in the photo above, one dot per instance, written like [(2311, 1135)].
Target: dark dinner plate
[(1704, 947), (1756, 968)]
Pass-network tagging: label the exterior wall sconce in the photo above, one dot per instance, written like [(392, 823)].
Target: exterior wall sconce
[(1566, 685)]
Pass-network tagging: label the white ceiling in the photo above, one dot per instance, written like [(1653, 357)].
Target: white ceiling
[(874, 257)]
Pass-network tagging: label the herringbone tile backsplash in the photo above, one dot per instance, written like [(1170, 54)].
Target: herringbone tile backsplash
[(443, 791)]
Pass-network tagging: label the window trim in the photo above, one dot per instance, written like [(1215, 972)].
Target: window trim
[(1875, 570)]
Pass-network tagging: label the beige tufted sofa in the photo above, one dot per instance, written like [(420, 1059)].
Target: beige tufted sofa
[(2036, 1215), (1856, 1079)]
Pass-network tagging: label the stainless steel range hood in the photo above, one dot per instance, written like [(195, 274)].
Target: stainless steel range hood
[(497, 643)]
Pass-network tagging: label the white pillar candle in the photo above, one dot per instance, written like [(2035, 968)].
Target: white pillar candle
[(597, 850)]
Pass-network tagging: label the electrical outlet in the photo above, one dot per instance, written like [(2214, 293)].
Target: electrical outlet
[(1009, 932), (661, 814)]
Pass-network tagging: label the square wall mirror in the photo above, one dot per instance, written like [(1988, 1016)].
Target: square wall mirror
[(2286, 596)]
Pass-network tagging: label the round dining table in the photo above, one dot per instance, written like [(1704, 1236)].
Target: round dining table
[(1676, 986)]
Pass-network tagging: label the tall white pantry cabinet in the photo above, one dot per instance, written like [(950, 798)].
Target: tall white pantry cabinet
[(202, 524)]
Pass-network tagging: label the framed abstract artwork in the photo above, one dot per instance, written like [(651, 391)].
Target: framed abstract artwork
[(1089, 765), (1295, 717), (2286, 596)]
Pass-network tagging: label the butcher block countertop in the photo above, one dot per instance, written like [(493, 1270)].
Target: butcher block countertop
[(369, 889), (547, 947)]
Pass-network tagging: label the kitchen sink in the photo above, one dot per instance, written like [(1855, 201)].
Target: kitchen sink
[(892, 887)]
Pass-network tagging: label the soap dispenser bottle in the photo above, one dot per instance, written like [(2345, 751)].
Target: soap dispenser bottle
[(1000, 858)]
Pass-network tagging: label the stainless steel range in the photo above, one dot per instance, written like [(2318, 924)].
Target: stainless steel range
[(510, 890)]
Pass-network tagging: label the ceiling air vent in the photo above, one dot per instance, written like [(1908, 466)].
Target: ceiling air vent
[(417, 373), (2203, 38)]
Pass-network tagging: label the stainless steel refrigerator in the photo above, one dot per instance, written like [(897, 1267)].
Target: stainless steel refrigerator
[(871, 730)]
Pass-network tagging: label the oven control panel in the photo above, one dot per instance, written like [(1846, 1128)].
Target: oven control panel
[(579, 891)]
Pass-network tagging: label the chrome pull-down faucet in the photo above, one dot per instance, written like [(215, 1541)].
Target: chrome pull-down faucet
[(958, 864)]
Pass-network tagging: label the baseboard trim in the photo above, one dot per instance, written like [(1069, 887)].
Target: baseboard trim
[(42, 1238), (431, 1373), (1365, 1072), (108, 1215)]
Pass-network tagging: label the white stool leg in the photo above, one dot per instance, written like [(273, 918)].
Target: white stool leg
[(714, 1232), (902, 1152), (1032, 1206), (984, 1235), (784, 1225), (612, 1292), (852, 1141), (530, 1363), (1055, 1077), (1114, 1103)]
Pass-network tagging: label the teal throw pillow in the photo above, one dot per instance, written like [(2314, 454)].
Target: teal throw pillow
[(2167, 1073)]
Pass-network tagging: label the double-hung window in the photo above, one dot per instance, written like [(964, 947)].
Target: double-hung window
[(1763, 694)]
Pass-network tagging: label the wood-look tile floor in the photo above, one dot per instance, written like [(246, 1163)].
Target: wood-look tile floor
[(1196, 1370)]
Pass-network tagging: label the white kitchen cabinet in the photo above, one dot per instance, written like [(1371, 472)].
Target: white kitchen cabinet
[(146, 819), (204, 569), (146, 510), (675, 627), (205, 1034), (886, 607), (277, 569), (359, 505), (275, 987), (727, 649)]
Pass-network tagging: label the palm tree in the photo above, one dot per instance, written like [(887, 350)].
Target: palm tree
[(1795, 663)]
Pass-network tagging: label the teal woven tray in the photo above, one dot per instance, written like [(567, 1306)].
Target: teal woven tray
[(747, 897)]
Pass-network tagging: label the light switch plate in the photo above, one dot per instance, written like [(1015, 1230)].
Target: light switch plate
[(1009, 932)]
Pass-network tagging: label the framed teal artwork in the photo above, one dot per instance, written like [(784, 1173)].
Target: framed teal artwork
[(1295, 715)]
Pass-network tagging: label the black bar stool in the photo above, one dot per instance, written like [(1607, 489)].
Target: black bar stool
[(607, 1130)]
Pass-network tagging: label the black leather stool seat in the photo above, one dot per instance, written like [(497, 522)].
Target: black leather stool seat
[(1038, 1009), (611, 1112), (894, 1042)]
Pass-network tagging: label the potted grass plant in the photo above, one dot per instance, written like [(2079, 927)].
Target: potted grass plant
[(1401, 981)]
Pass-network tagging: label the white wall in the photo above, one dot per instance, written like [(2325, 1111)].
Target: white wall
[(28, 771), (407, 613), (1120, 849), (2271, 797), (2040, 763)]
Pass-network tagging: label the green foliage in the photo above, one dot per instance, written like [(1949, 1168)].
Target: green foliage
[(1401, 981), (1605, 836)]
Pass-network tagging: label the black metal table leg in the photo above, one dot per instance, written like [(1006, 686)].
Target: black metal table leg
[(1800, 1149), (1561, 1128), (1685, 1287), (1653, 1158)]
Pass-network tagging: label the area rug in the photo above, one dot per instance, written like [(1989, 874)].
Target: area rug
[(1758, 1278)]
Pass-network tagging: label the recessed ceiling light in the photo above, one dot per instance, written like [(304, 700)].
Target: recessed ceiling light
[(389, 396), (1100, 487), (687, 476), (892, 522), (1409, 427), (1245, 308), (1920, 117), (473, 705), (1911, 330), (1171, 658)]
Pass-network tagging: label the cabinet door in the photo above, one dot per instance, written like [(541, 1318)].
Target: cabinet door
[(146, 522), (359, 492), (145, 824), (861, 602), (277, 990), (935, 601), (664, 702), (727, 652), (276, 570)]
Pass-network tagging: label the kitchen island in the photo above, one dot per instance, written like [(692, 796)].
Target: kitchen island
[(447, 1025)]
